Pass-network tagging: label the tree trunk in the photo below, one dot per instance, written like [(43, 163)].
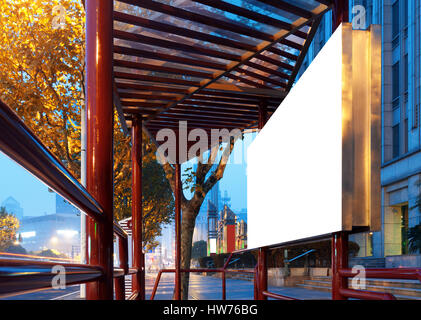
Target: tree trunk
[(187, 229)]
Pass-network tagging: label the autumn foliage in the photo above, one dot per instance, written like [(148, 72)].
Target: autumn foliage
[(42, 65)]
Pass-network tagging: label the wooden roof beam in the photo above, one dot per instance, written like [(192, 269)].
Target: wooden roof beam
[(164, 27), (239, 11), (128, 36), (299, 23), (199, 18), (167, 57), (160, 68)]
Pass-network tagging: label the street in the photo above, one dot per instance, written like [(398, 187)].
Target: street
[(200, 288)]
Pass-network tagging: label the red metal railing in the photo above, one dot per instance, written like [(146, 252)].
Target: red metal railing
[(222, 270), (20, 144), (392, 273), (18, 275)]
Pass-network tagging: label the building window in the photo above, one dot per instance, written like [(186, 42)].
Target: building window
[(404, 229), (406, 73), (395, 142), (405, 135), (396, 120), (395, 19), (415, 116), (405, 14), (395, 80), (406, 128)]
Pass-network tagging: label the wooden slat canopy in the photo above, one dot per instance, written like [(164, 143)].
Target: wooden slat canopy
[(209, 62)]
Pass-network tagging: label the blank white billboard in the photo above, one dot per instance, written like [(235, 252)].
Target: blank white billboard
[(294, 169), (314, 169)]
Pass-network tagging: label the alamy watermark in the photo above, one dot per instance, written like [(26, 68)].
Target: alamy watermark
[(59, 19), (358, 282), (178, 146), (58, 282), (359, 20)]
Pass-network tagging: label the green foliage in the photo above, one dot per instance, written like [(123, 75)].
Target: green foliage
[(15, 248), (414, 238)]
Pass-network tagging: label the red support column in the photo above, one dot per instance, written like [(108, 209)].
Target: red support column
[(340, 13), (177, 231), (138, 280), (224, 285), (262, 114), (99, 165), (262, 273), (119, 283), (339, 261)]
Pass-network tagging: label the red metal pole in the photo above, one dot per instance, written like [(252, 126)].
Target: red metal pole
[(119, 288), (177, 231), (138, 279), (99, 166), (224, 286), (340, 13), (262, 273), (155, 287), (224, 281), (119, 283), (262, 114), (339, 261), (123, 254), (256, 290)]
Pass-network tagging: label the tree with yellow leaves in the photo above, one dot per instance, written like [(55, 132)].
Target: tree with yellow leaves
[(9, 224), (42, 66)]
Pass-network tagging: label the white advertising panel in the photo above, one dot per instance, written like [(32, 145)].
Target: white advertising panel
[(314, 169), (294, 172)]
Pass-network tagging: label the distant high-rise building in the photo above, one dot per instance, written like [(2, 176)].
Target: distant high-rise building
[(212, 227), (201, 226), (215, 196), (12, 206), (226, 231), (226, 200), (240, 235)]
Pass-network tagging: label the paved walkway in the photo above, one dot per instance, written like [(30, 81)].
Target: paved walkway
[(210, 288)]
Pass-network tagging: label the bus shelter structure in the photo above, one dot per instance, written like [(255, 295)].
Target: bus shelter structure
[(215, 64)]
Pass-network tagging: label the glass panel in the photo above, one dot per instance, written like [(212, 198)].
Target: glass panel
[(396, 115), (396, 140), (36, 222), (395, 19), (301, 271), (395, 84), (390, 248)]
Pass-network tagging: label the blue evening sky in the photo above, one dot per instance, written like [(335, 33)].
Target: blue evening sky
[(31, 193)]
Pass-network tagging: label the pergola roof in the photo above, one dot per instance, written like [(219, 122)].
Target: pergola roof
[(209, 62)]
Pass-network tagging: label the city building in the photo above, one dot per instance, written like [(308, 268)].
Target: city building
[(212, 228), (12, 206), (59, 231), (240, 235), (201, 226), (401, 132), (226, 228)]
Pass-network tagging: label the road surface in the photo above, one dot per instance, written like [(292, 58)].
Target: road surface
[(200, 288)]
